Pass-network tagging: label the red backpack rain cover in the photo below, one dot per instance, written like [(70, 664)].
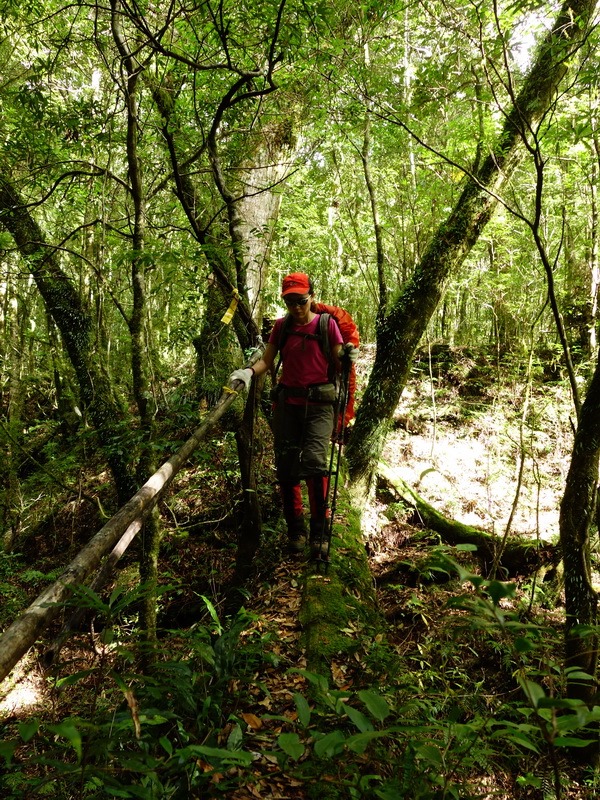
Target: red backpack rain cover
[(350, 335)]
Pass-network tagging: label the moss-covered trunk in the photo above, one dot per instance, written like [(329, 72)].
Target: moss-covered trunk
[(140, 346), (576, 517)]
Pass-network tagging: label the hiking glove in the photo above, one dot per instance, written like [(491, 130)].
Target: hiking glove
[(244, 375), (350, 352)]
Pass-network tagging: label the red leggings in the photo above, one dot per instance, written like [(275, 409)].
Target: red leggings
[(291, 495)]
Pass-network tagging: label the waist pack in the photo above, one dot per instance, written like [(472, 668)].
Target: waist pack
[(321, 393)]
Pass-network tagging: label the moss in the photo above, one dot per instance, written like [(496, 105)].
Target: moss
[(341, 595)]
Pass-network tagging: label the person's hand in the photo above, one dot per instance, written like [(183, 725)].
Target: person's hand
[(350, 353), (244, 375)]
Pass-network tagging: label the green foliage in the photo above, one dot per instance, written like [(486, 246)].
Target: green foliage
[(432, 739), (149, 735), (13, 597), (64, 143), (425, 733)]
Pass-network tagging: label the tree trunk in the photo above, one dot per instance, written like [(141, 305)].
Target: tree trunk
[(266, 167), (251, 527), (10, 510), (398, 335), (213, 346), (576, 516)]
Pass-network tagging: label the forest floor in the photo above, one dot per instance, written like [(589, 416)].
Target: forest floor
[(484, 449)]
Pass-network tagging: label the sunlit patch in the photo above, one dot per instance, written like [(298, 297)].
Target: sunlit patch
[(23, 690), (22, 697)]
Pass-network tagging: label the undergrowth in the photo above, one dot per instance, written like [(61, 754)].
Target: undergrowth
[(432, 729)]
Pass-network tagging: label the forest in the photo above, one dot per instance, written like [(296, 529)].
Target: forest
[(433, 166)]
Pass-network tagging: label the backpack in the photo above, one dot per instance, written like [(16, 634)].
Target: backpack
[(345, 322), (349, 332)]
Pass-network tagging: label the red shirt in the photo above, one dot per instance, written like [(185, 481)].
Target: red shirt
[(303, 361)]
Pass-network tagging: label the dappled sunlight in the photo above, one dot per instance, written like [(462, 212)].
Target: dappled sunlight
[(23, 693), (21, 698), (468, 469)]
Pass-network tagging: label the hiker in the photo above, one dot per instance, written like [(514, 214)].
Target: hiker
[(304, 402)]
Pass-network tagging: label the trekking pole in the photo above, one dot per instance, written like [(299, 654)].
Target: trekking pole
[(327, 527)]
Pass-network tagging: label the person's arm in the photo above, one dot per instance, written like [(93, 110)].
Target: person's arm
[(341, 351), (347, 353), (265, 363), (262, 365)]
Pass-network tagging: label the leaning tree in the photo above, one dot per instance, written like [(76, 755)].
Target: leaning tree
[(400, 330)]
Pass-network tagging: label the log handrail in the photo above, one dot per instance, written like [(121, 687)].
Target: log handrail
[(23, 632)]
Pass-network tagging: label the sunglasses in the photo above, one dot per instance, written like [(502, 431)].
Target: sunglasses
[(302, 302)]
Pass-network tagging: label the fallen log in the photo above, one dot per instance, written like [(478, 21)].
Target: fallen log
[(517, 555)]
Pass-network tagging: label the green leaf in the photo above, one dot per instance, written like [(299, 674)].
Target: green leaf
[(430, 753), (7, 750), (319, 681), (74, 678), (522, 739), (359, 742), (375, 703), (234, 740), (576, 673), (358, 718), (523, 644), (213, 613), (529, 780), (291, 745), (303, 709), (155, 719), (330, 745), (498, 590), (571, 741), (27, 730), (166, 745), (69, 731), (218, 754), (534, 692), (387, 793)]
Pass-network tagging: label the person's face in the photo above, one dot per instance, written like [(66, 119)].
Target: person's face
[(299, 307)]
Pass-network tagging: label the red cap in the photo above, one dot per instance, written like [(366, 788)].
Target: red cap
[(296, 283)]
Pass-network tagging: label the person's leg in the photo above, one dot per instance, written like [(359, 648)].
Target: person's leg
[(293, 512), (315, 469), (287, 433), (319, 515)]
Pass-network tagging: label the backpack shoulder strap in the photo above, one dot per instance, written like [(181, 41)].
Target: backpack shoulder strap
[(324, 342), (284, 332), (344, 321)]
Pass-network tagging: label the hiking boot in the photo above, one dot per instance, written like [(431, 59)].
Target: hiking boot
[(295, 544), (296, 535)]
